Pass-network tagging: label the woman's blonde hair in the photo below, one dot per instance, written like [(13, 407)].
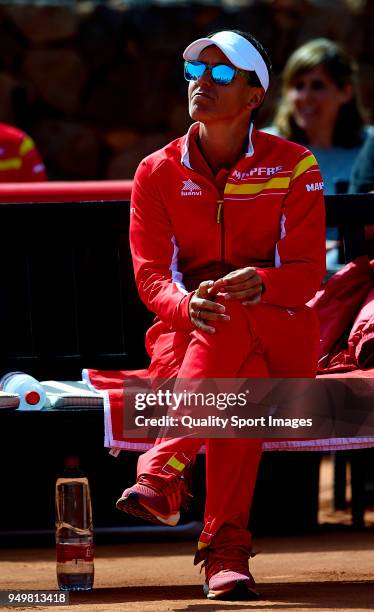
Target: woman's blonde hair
[(343, 71)]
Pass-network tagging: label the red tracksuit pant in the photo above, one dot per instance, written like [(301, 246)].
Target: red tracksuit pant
[(258, 341)]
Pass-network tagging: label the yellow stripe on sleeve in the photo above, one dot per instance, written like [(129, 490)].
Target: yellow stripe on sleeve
[(26, 145), (304, 165), (246, 188), (14, 163), (177, 465)]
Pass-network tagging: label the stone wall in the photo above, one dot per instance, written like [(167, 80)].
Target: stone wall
[(99, 87)]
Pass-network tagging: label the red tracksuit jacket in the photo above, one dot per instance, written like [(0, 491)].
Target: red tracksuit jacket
[(270, 215)]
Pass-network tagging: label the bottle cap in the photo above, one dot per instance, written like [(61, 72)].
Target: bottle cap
[(32, 397)]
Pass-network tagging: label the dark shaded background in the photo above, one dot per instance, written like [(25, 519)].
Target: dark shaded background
[(100, 85)]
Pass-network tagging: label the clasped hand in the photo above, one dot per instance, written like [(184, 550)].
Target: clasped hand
[(244, 284)]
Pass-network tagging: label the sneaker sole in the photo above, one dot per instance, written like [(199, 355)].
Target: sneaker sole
[(131, 505), (240, 592)]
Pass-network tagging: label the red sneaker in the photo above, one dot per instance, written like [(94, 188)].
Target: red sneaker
[(227, 574), (155, 499)]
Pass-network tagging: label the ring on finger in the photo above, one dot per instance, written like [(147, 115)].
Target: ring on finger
[(198, 313)]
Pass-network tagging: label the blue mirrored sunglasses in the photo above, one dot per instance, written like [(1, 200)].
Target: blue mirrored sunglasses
[(221, 74)]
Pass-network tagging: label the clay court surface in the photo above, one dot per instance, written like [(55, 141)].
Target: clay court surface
[(330, 570)]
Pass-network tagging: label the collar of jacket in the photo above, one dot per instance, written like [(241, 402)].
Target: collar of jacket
[(193, 132)]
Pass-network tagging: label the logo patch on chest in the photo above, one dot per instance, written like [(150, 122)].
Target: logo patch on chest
[(260, 171), (190, 188)]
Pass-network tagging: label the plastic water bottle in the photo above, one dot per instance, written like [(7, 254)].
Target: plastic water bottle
[(74, 530), (31, 392)]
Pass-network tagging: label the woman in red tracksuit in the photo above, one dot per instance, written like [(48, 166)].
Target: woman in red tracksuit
[(228, 244)]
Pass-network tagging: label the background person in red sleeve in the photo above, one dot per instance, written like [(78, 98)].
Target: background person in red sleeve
[(20, 161), (228, 244)]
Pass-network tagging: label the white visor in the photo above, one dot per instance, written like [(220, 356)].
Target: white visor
[(237, 49)]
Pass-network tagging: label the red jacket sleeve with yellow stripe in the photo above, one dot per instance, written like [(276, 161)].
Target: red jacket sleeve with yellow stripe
[(300, 255), (32, 169), (154, 253)]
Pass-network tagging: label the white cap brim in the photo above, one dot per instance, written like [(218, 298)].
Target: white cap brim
[(238, 50)]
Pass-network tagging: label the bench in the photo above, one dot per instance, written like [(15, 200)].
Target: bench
[(68, 301)]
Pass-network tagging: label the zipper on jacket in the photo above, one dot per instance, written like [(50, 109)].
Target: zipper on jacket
[(220, 221), (219, 210)]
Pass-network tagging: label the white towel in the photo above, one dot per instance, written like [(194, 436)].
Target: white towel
[(71, 393)]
